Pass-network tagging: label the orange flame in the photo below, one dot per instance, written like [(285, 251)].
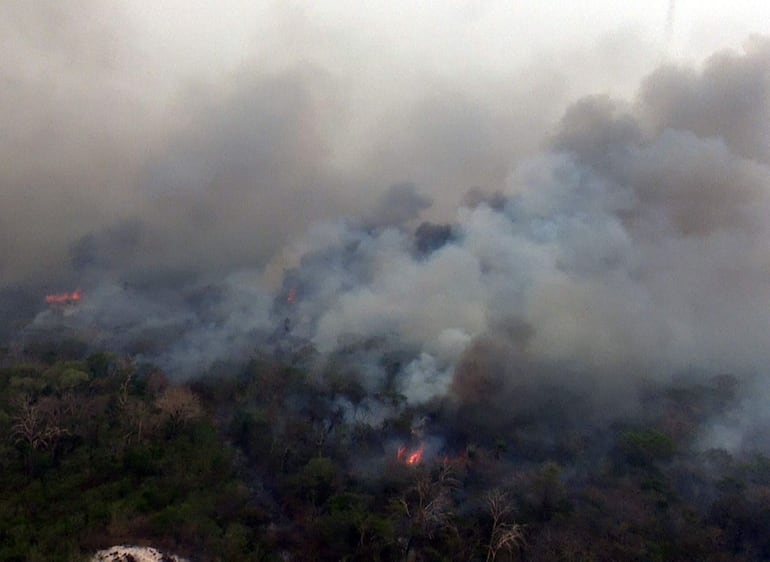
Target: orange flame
[(292, 296), (63, 298), (410, 457), (415, 457)]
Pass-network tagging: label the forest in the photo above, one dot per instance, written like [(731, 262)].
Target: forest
[(262, 462), (385, 281)]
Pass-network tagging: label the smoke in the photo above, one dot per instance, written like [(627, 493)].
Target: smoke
[(454, 240), (220, 153), (670, 15)]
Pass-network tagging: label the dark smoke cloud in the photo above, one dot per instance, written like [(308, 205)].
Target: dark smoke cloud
[(110, 249), (215, 176), (430, 237), (728, 99), (400, 204), (628, 251), (70, 130), (224, 171), (248, 215)]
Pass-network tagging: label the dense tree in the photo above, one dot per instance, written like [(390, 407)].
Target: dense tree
[(271, 462)]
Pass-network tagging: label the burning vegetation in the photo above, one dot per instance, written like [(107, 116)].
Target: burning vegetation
[(64, 298), (571, 365), (410, 456), (265, 461)]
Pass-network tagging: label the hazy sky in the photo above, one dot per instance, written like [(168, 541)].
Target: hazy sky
[(479, 38), (187, 163), (266, 116), (388, 50)]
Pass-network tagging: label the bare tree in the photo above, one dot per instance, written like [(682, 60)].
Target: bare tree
[(505, 536), (35, 427), (128, 371), (138, 422), (179, 405), (428, 504)]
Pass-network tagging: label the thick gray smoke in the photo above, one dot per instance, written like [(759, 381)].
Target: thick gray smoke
[(629, 245), (634, 244)]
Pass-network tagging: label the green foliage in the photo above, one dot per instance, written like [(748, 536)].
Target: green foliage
[(250, 430), (643, 448), (259, 462), (26, 384), (548, 493), (347, 385), (315, 482), (353, 526), (60, 348), (71, 378), (97, 482), (101, 364)]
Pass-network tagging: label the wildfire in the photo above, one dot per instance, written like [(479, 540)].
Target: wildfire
[(410, 456), (292, 296), (63, 298)]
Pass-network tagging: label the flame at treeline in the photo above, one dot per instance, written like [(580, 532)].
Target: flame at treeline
[(63, 298), (413, 456)]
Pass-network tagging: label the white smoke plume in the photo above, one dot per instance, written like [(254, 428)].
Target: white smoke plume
[(305, 200)]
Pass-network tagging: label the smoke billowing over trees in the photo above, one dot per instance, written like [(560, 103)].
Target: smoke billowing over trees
[(557, 304)]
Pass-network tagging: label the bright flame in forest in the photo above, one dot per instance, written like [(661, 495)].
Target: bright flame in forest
[(410, 457), (63, 298)]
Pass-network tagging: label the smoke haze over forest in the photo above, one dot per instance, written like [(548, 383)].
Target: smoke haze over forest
[(474, 215)]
